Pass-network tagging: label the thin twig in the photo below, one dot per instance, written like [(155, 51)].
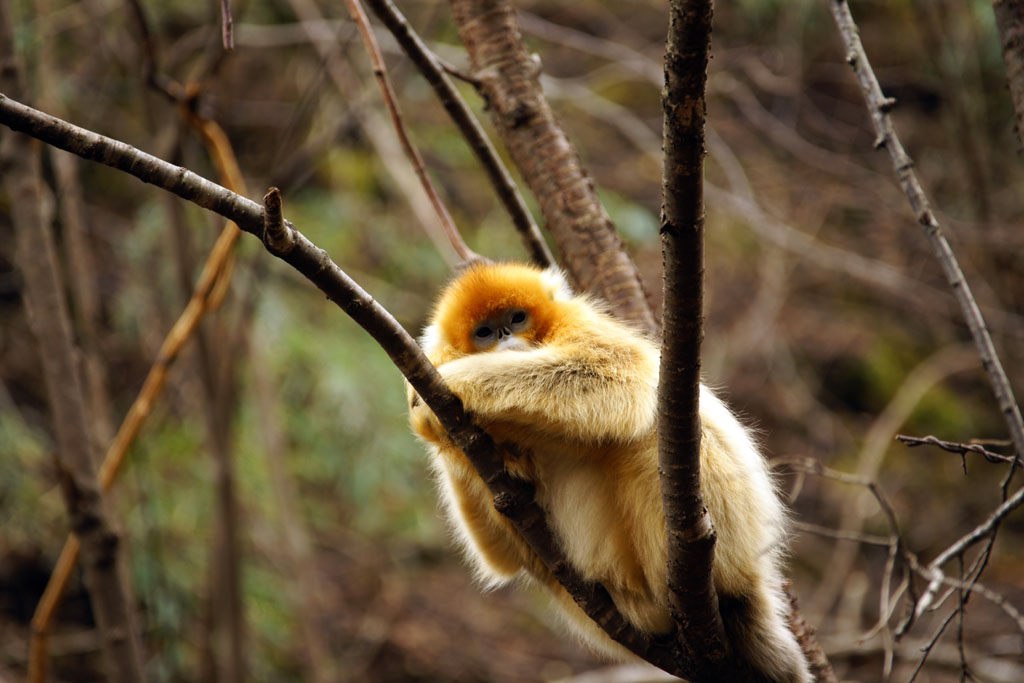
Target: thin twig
[(456, 72), (432, 70), (970, 586), (955, 447), (227, 33), (355, 10), (932, 572), (979, 532), (842, 535)]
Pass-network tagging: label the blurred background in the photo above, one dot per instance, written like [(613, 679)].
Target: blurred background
[(829, 326)]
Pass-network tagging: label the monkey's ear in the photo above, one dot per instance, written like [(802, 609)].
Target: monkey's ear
[(556, 284)]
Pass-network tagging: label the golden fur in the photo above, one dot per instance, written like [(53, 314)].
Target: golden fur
[(580, 405)]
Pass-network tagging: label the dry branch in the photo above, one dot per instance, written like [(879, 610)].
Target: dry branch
[(878, 107), (227, 31), (512, 497), (331, 50), (510, 83), (958, 448), (380, 73), (470, 128)]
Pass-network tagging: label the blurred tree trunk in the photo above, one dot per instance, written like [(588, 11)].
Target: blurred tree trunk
[(78, 252), (509, 80), (217, 369), (1010, 22), (43, 292)]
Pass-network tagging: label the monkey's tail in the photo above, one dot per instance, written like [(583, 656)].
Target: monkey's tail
[(756, 627)]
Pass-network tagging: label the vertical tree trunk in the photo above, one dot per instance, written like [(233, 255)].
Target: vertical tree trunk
[(48, 316), (1010, 22), (691, 538)]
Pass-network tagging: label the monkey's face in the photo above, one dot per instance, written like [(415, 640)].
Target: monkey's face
[(494, 307), (507, 329)]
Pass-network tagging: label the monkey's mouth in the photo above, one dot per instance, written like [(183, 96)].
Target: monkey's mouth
[(512, 344)]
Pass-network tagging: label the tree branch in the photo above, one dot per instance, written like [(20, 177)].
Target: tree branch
[(470, 128), (691, 538), (961, 449), (380, 73), (878, 107), (513, 498), (510, 83)]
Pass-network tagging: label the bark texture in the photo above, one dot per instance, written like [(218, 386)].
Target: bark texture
[(510, 83), (47, 308), (691, 538), (1010, 22)]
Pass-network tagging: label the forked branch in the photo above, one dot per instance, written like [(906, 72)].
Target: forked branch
[(509, 80), (879, 107), (512, 497)]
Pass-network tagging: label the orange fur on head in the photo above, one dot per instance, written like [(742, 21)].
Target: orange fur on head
[(488, 288)]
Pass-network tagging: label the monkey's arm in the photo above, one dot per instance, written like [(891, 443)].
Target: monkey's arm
[(589, 392)]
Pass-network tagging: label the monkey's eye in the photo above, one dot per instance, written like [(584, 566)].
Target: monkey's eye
[(518, 319), (483, 332)]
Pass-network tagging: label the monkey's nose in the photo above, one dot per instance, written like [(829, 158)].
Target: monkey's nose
[(504, 332)]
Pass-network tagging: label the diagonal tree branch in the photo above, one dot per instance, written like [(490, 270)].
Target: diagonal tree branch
[(471, 129), (513, 498), (509, 80), (380, 73), (878, 107)]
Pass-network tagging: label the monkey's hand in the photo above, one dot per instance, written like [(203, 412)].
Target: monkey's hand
[(423, 420)]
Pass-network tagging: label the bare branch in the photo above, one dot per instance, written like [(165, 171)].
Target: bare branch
[(932, 572), (979, 533), (584, 233), (380, 72), (879, 107), (691, 538), (227, 33), (434, 72), (806, 636), (954, 447)]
